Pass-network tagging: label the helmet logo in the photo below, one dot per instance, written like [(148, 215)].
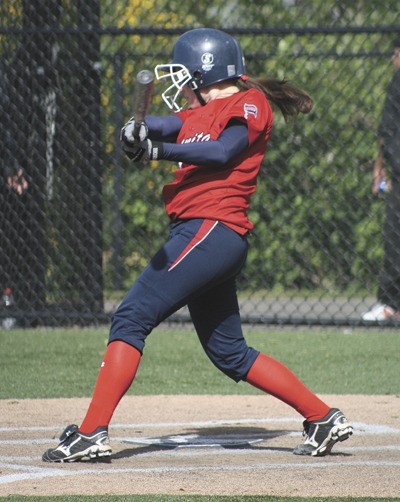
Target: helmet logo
[(231, 70), (208, 61)]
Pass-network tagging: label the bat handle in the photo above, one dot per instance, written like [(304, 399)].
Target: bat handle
[(136, 129)]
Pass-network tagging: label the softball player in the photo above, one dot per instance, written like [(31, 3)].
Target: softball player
[(219, 142)]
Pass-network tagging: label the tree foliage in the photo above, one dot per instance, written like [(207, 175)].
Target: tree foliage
[(316, 222)]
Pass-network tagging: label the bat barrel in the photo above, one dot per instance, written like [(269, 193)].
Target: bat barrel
[(142, 97), (145, 77)]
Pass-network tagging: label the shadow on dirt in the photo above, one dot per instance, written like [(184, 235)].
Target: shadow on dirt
[(243, 438)]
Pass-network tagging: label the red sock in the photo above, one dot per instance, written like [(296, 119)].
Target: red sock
[(116, 374), (273, 377)]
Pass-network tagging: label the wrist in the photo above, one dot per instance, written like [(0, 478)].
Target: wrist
[(155, 150)]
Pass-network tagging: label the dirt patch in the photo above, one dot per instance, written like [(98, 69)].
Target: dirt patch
[(210, 445)]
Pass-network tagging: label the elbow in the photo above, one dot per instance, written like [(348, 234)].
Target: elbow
[(221, 158)]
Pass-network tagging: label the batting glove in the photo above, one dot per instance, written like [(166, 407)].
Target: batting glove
[(153, 150), (144, 151), (134, 131), (133, 151)]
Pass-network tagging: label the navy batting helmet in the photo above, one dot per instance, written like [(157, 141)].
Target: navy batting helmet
[(201, 57)]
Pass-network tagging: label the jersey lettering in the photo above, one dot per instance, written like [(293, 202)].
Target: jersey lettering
[(199, 136)]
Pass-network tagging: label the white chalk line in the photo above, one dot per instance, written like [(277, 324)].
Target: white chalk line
[(166, 424), (364, 427), (216, 451), (42, 472)]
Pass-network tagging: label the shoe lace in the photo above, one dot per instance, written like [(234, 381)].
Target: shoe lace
[(70, 431)]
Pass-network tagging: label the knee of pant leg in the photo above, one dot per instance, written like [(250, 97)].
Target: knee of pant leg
[(234, 365), (129, 331)]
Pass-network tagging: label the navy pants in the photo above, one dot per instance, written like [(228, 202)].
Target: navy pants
[(389, 282), (196, 267)]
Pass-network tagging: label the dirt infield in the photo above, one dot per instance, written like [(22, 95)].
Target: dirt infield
[(210, 445)]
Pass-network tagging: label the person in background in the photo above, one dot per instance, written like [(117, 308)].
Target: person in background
[(22, 228), (218, 143), (386, 180), (13, 188)]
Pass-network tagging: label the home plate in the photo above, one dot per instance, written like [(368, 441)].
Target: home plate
[(196, 441)]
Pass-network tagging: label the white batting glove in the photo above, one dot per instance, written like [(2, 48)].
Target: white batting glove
[(134, 132)]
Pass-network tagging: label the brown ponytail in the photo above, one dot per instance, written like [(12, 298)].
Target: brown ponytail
[(289, 99)]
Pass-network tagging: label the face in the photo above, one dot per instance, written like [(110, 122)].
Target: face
[(190, 97), (396, 58)]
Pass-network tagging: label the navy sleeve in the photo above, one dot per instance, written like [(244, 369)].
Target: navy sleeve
[(391, 110), (232, 141), (164, 128)]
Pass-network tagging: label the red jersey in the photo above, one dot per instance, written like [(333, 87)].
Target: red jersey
[(221, 193)]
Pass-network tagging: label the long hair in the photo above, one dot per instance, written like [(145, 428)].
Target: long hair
[(289, 99)]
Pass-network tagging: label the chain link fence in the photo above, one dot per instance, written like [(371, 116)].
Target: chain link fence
[(79, 222)]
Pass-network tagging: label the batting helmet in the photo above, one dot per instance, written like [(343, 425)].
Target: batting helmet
[(201, 57)]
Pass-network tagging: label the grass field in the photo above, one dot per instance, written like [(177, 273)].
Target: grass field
[(64, 363)]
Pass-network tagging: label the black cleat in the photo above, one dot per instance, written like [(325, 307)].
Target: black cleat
[(75, 446), (321, 435)]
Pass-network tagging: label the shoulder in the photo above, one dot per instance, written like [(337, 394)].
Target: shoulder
[(254, 97), (251, 95), (253, 104)]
